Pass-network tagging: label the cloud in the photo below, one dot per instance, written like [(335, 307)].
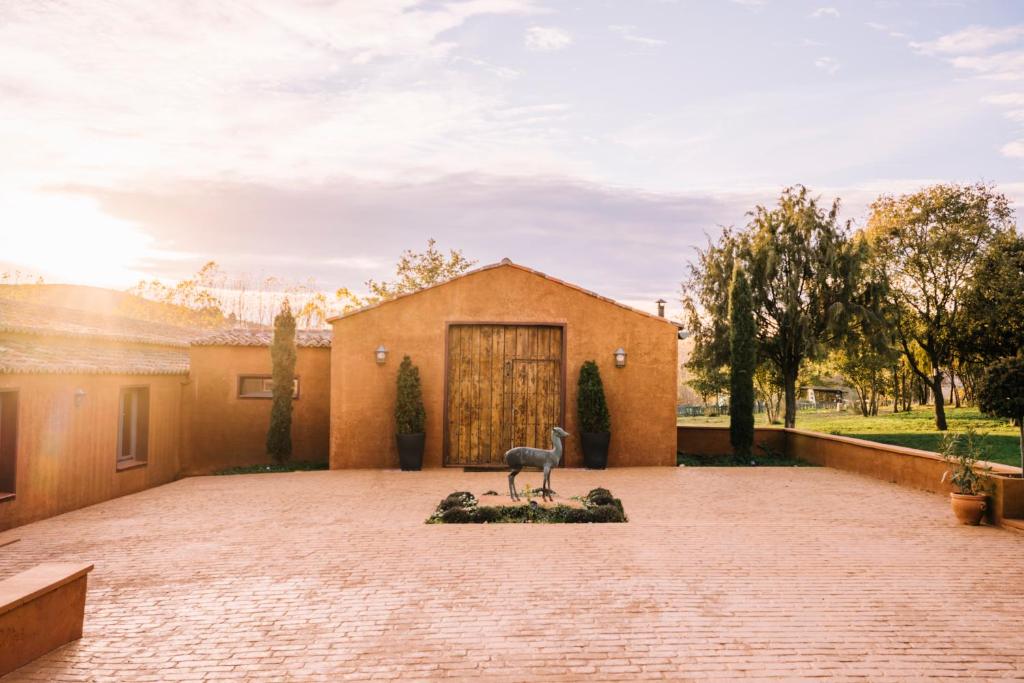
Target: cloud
[(992, 54), (823, 12), (629, 244), (971, 40), (546, 38), (888, 30), (100, 92), (1014, 150), (1001, 66), (827, 64), (628, 33)]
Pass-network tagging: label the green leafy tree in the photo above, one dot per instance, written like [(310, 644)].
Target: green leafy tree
[(591, 405), (707, 380), (768, 388), (742, 364), (1001, 392), (413, 272), (410, 415), (930, 244), (806, 277), (993, 321), (283, 354)]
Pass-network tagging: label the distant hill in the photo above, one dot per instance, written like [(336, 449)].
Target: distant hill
[(112, 302)]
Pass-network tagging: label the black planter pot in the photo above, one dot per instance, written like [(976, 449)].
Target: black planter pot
[(410, 450), (595, 449)]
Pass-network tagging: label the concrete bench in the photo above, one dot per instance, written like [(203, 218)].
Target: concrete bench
[(40, 610)]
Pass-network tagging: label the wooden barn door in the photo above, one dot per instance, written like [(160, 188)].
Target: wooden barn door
[(505, 388)]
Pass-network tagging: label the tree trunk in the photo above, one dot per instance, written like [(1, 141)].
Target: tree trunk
[(895, 390), (1022, 448), (940, 408), (789, 381)]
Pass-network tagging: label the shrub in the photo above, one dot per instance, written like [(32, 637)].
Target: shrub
[(590, 401), (576, 516), (459, 499), (486, 515), (606, 513), (282, 355), (410, 415), (962, 452), (456, 516), (599, 497), (1002, 393)]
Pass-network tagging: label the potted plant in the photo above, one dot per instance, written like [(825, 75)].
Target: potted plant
[(595, 422), (969, 498), (410, 417)]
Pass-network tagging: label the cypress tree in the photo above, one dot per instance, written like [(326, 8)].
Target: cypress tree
[(742, 363), (590, 401), (410, 415), (282, 354)]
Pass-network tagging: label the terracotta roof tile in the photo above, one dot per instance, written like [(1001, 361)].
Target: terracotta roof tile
[(64, 356), (39, 319), (303, 338)]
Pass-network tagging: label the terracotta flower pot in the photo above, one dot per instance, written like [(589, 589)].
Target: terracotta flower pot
[(968, 508)]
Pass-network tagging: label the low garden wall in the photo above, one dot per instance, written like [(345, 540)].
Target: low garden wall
[(896, 464)]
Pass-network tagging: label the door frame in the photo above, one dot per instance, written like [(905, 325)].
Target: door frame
[(483, 323)]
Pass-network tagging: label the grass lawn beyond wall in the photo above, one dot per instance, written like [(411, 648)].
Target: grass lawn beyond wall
[(915, 429)]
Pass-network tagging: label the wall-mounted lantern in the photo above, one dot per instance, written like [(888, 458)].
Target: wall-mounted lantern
[(381, 354), (620, 357), (79, 397)]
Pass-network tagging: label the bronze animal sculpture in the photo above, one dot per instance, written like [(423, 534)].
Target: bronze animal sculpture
[(523, 456)]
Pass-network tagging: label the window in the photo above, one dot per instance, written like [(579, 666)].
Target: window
[(133, 427), (260, 386), (8, 442)]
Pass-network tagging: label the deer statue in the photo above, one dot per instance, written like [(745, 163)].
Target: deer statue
[(523, 456)]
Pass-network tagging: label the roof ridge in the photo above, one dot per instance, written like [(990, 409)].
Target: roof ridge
[(505, 263), (24, 317)]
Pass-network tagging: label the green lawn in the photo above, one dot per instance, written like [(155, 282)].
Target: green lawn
[(915, 429)]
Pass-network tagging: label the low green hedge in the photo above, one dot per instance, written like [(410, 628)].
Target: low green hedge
[(297, 466)]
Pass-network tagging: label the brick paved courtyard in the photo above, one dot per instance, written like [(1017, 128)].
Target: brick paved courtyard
[(721, 573)]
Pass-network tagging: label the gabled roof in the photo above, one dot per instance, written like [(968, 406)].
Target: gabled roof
[(67, 356), (54, 321), (506, 263), (240, 337)]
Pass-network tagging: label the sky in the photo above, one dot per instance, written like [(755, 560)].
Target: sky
[(598, 141)]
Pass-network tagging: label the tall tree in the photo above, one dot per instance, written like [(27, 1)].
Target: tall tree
[(413, 272), (742, 363), (282, 354), (1001, 392), (929, 243), (806, 274), (993, 321)]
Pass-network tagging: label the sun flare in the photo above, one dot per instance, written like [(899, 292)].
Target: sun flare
[(71, 239)]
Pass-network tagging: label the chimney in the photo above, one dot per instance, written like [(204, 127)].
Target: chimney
[(661, 307)]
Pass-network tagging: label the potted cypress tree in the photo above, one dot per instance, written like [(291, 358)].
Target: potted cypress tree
[(410, 417), (595, 422)]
